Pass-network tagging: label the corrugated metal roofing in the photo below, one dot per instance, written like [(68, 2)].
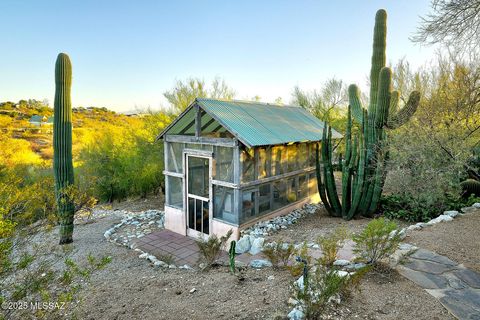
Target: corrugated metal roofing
[(258, 124)]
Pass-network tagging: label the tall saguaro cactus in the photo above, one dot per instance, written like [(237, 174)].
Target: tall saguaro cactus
[(364, 166), (62, 147)]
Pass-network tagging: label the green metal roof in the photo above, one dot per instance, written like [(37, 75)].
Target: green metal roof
[(253, 123)]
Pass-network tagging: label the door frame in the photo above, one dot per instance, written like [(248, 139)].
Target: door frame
[(206, 155)]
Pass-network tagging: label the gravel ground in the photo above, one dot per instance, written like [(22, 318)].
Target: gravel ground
[(459, 240), (309, 228), (131, 288)]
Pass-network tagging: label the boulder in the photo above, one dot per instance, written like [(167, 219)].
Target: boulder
[(243, 245), (476, 205), (257, 246)]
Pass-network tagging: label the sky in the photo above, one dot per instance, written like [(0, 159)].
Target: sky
[(126, 54)]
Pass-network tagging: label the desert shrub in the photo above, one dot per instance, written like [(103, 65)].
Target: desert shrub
[(125, 162), (402, 207), (330, 245), (33, 272), (278, 253), (324, 286), (211, 247), (376, 241)]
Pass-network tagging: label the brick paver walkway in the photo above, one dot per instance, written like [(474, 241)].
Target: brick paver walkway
[(163, 243)]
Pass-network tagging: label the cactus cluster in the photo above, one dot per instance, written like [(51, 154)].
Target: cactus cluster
[(366, 153), (62, 147)]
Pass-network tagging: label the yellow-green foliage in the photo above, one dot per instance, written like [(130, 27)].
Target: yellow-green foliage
[(330, 244), (122, 161), (278, 253), (376, 241)]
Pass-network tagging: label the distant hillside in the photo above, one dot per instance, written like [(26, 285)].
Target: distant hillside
[(28, 120)]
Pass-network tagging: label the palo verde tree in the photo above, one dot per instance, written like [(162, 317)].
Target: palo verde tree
[(62, 147), (366, 154)]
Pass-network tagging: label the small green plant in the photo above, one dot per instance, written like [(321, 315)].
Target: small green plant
[(330, 244), (278, 253), (210, 248), (323, 285), (376, 241), (296, 269), (231, 255)]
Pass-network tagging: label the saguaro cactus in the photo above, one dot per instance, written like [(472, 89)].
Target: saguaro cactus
[(364, 167), (62, 147)]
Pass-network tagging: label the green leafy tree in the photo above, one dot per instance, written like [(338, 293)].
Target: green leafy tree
[(185, 92)]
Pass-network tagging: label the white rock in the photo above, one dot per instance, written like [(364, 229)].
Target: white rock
[(292, 301), (271, 277), (243, 245), (451, 213), (296, 314), (440, 218), (476, 205), (299, 283), (172, 266), (406, 247), (257, 246), (401, 233), (186, 267), (259, 263), (341, 262), (143, 255), (152, 258), (193, 290), (160, 263), (414, 227), (341, 273)]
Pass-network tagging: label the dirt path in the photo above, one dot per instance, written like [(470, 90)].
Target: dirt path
[(459, 240)]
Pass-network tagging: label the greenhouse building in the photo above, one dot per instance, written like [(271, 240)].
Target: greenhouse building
[(229, 164)]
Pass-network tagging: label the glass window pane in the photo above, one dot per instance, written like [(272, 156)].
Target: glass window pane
[(292, 153), (223, 208), (247, 157), (312, 184), (279, 160), (175, 153), (264, 160), (198, 176), (292, 190), (279, 194), (311, 154), (264, 198), (302, 187), (224, 164), (175, 193), (302, 155), (248, 205)]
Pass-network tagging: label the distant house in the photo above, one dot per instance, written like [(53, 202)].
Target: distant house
[(229, 164), (49, 121), (37, 120)]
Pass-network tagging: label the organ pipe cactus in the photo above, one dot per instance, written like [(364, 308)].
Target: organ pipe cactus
[(366, 155), (62, 147)]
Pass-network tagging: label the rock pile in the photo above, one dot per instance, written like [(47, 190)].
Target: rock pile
[(135, 225)]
